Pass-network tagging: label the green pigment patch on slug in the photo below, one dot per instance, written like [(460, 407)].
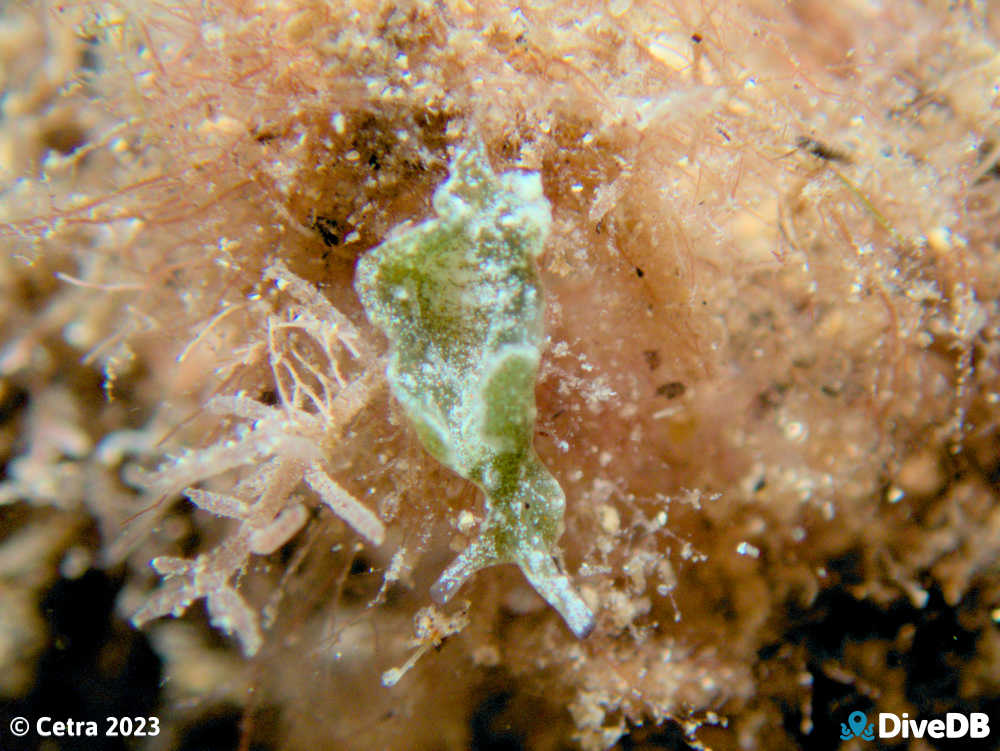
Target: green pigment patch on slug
[(459, 299)]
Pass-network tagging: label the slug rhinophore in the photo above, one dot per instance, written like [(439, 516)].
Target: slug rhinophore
[(459, 299)]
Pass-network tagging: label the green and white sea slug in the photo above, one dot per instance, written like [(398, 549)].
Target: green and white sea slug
[(459, 299)]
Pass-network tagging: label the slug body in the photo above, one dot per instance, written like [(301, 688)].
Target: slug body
[(459, 299)]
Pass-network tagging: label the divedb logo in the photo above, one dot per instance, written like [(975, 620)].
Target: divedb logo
[(953, 725)]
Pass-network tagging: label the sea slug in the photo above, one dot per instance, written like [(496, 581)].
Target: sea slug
[(459, 299)]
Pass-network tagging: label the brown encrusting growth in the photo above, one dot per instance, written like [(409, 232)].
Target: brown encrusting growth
[(769, 388)]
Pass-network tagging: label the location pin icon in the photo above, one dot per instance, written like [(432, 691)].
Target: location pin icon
[(857, 721)]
